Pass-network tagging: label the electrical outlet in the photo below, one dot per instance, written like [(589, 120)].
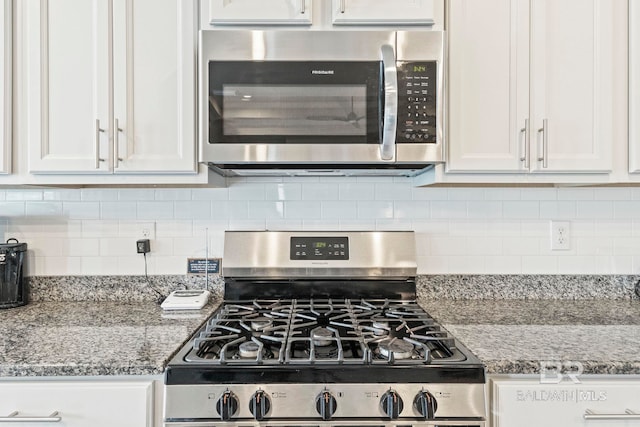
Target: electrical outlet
[(143, 246), (560, 235), (146, 230)]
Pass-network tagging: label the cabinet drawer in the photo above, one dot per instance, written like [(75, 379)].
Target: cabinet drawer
[(532, 403), (78, 403)]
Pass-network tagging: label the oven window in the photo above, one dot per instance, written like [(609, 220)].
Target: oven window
[(294, 110), (293, 102)]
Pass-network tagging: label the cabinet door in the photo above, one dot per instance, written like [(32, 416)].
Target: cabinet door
[(67, 85), (5, 86), (573, 51), (634, 86), (80, 404), (386, 12), (488, 85), (248, 12), (528, 403), (154, 85)]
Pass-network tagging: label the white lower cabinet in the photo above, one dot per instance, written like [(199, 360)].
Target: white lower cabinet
[(77, 403), (611, 401)]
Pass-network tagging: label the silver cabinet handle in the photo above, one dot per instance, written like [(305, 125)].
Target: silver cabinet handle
[(14, 418), (545, 144), (98, 131), (116, 143), (525, 149), (343, 6), (303, 6), (387, 145), (628, 415)]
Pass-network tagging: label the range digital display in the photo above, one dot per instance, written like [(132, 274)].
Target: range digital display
[(319, 248)]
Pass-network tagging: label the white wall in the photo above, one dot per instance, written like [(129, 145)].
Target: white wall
[(460, 230)]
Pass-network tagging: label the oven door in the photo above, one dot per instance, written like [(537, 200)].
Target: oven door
[(336, 423), (293, 102)]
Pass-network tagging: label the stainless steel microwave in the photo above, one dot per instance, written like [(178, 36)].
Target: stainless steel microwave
[(300, 102)]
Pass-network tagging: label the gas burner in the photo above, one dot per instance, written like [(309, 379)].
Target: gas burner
[(248, 350), (322, 336), (380, 327), (261, 324), (401, 350)]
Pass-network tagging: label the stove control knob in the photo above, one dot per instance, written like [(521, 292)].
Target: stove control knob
[(426, 405), (392, 404), (259, 405), (227, 405), (326, 405)]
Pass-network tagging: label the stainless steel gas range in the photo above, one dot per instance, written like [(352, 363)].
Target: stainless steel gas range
[(322, 329)]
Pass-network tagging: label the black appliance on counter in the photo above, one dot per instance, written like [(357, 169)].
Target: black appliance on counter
[(323, 329), (13, 286)]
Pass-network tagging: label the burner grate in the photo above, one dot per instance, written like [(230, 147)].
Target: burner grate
[(322, 331)]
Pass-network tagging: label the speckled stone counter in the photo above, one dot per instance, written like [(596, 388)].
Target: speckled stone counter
[(520, 336), (90, 338)]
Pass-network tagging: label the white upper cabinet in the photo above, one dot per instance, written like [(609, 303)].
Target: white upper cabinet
[(488, 84), (532, 85), (68, 85), (634, 86), (5, 86), (383, 12), (92, 64), (153, 85), (257, 12)]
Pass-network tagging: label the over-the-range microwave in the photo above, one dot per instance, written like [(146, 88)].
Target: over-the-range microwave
[(300, 102)]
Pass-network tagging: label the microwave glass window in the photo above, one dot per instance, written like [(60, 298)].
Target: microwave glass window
[(294, 110)]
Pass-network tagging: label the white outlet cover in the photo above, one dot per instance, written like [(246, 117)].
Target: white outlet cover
[(560, 235)]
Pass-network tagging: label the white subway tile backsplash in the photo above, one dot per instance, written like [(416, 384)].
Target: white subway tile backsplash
[(339, 209), (247, 191), (266, 210), (320, 191), (192, 209), (136, 194), (375, 209), (411, 209), (118, 210), (392, 191), (23, 195), (427, 193), (448, 210), (43, 209), (356, 191), (484, 209), (521, 209), (594, 209), (459, 230), (303, 210), (155, 210), (81, 210), (9, 209), (283, 191)]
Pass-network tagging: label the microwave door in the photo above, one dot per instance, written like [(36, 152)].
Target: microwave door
[(390, 116)]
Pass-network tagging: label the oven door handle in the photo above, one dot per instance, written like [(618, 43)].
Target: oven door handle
[(390, 120)]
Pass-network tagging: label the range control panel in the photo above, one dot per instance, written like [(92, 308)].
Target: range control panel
[(319, 248), (417, 101)]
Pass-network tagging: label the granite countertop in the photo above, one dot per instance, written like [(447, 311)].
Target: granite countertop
[(55, 338), (597, 336)]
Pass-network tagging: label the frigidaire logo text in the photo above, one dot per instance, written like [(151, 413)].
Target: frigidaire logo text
[(322, 72)]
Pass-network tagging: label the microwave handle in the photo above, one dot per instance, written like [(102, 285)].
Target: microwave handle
[(390, 118)]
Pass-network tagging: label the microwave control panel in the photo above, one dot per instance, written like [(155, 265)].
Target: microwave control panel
[(417, 101)]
